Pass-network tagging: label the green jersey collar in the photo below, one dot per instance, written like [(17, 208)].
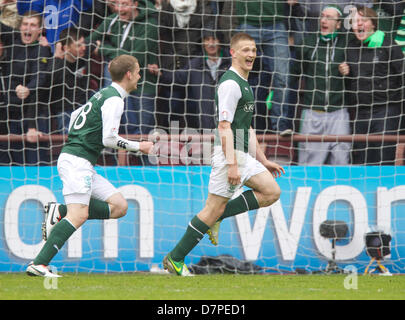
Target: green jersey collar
[(123, 93)]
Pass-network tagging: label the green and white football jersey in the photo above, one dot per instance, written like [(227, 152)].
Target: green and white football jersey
[(241, 112), (85, 138)]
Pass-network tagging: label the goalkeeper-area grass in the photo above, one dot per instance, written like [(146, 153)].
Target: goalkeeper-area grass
[(145, 286)]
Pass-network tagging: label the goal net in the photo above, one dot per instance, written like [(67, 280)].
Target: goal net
[(182, 58)]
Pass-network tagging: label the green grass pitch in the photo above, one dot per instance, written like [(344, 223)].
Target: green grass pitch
[(145, 286)]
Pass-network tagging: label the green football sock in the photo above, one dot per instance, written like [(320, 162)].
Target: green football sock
[(245, 202), (60, 233), (195, 232), (97, 210)]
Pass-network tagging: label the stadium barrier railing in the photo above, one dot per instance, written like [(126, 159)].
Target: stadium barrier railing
[(272, 144)]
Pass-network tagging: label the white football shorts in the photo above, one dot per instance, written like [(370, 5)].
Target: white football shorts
[(81, 181), (218, 184)]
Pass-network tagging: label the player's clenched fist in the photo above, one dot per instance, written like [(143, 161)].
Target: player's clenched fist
[(146, 146)]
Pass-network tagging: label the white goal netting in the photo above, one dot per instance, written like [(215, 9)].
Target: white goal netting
[(338, 136)]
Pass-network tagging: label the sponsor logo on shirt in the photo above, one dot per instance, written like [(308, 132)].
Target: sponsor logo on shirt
[(249, 107)]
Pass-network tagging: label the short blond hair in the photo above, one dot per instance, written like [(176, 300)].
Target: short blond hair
[(120, 65), (240, 37)]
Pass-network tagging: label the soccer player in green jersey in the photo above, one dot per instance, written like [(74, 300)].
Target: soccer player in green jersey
[(87, 194), (237, 159)]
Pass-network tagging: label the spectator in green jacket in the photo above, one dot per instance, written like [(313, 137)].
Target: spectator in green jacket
[(324, 107), (133, 30), (374, 76), (265, 21)]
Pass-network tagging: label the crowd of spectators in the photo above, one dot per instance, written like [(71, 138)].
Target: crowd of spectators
[(323, 67)]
